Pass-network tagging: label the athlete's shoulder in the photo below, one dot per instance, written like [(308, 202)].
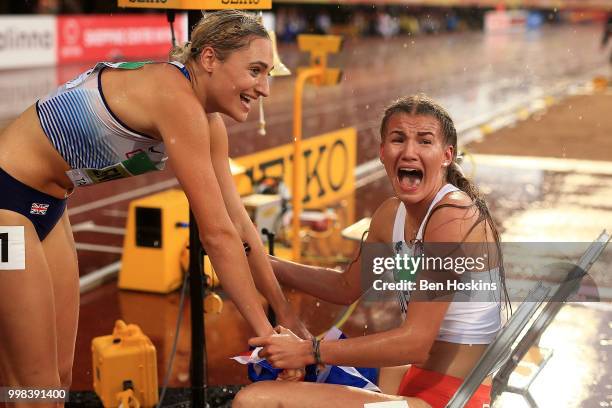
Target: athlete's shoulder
[(458, 197), (167, 77), (453, 218), (381, 226), (168, 91)]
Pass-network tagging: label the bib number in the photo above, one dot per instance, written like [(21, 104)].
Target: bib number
[(12, 248)]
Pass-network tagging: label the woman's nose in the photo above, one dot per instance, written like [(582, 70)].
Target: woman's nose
[(409, 151), (263, 88)]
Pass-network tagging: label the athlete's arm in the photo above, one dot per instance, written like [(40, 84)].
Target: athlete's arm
[(184, 127), (340, 287), (258, 261), (408, 344)]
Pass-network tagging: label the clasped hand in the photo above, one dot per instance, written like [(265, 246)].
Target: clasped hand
[(285, 350)]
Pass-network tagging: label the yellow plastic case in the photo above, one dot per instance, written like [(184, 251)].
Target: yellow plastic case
[(125, 356), (157, 227)]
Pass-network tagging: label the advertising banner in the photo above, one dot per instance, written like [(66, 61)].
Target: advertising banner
[(117, 37), (329, 163), (27, 41)]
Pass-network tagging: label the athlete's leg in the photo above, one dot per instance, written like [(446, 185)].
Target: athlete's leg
[(390, 378), (62, 260), (28, 351), (286, 394)]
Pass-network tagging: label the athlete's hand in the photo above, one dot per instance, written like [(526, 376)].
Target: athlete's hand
[(284, 350), (294, 374)]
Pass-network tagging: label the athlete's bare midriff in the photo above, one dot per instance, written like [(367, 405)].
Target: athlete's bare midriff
[(26, 153)]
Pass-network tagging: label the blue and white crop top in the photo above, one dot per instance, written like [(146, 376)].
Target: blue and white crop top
[(465, 322), (94, 142)]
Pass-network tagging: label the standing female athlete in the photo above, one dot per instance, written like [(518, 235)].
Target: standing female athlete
[(114, 121)]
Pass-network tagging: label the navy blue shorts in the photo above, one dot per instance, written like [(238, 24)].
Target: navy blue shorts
[(42, 209)]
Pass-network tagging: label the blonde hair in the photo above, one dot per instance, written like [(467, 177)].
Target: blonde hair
[(225, 31)]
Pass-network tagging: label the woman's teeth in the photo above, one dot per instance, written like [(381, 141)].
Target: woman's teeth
[(245, 99)]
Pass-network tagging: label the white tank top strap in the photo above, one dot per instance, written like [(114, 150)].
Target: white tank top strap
[(447, 188), (398, 226)]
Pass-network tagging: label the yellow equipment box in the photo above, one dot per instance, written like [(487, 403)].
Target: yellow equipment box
[(125, 358), (157, 228)]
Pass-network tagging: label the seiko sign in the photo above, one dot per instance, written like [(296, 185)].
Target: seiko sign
[(328, 174)]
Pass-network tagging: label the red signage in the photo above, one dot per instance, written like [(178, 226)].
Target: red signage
[(115, 38)]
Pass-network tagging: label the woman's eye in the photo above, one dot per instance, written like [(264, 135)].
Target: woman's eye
[(426, 141), (255, 71)]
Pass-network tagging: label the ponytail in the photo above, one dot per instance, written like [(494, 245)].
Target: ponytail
[(180, 53)]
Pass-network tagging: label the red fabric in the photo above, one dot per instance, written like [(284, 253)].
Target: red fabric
[(437, 389)]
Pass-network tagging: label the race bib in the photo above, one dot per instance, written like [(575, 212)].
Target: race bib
[(12, 248), (138, 164)]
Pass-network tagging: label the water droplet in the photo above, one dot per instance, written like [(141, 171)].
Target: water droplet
[(365, 327), (405, 45), (318, 304)]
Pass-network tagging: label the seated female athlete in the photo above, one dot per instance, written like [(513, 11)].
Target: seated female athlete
[(440, 340), (114, 121)]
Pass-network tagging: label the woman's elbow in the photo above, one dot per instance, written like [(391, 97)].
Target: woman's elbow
[(344, 295), (421, 351), (217, 238), (349, 298), (420, 356)]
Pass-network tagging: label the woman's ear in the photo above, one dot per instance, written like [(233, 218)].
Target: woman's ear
[(208, 58), (381, 152), (449, 154)]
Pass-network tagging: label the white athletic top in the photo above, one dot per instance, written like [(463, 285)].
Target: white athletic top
[(90, 137), (465, 322)]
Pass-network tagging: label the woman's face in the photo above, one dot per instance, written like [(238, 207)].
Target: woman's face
[(240, 79), (415, 156)]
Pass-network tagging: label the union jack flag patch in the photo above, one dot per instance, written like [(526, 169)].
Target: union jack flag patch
[(39, 209)]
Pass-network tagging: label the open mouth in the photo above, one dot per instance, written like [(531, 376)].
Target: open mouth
[(409, 178), (246, 100)]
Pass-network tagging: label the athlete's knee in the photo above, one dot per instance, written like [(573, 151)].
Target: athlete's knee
[(39, 376), (65, 376), (256, 395)]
